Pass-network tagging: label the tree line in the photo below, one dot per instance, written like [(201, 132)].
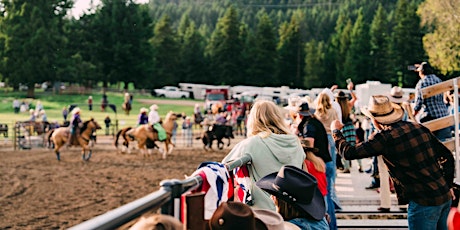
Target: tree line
[(297, 43)]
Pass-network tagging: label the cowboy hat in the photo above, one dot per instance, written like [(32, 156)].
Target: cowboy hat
[(397, 95), (157, 221), (382, 110), (154, 107), (75, 110), (143, 110), (273, 220), (297, 187), (341, 95), (305, 110), (233, 215)]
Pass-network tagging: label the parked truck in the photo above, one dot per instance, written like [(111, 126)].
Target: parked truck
[(216, 94)]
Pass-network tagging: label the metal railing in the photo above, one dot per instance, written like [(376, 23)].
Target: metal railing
[(167, 198)]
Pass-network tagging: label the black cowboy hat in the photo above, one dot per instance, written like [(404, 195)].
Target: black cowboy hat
[(305, 110), (297, 187)]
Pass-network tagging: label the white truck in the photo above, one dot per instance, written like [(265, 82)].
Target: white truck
[(170, 92)]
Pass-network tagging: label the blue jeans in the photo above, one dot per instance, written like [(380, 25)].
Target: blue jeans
[(306, 224), (331, 197), (443, 134), (422, 217)]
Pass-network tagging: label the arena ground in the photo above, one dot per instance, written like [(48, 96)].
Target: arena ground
[(38, 192)]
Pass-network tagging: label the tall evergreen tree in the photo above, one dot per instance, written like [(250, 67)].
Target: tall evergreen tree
[(291, 51), (358, 56), (225, 49), (33, 41), (262, 53), (380, 58), (406, 44), (314, 61), (166, 53)]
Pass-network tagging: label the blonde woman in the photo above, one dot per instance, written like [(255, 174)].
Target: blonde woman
[(326, 114), (270, 145)]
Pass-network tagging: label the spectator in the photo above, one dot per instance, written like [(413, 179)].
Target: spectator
[(65, 113), (23, 107), (187, 131), (434, 106), (16, 105), (105, 102), (107, 122), (270, 145), (297, 197), (157, 222), (421, 166), (90, 103), (174, 132), (310, 128), (38, 107), (348, 130)]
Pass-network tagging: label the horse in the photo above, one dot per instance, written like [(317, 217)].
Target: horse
[(126, 106), (146, 136), (217, 132), (60, 136)]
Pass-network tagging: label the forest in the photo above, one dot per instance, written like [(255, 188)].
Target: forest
[(296, 43)]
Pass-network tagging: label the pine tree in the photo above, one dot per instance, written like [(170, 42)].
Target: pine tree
[(380, 58)]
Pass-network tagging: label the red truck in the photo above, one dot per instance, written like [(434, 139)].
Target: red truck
[(216, 94)]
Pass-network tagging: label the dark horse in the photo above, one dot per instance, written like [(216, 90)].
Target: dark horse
[(217, 132)]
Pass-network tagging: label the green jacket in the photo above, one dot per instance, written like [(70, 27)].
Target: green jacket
[(267, 156)]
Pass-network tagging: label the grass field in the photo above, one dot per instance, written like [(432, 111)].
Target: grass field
[(54, 103)]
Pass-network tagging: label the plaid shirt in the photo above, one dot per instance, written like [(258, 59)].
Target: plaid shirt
[(411, 153), (434, 106), (349, 132)]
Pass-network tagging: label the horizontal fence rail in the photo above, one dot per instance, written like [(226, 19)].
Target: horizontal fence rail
[(162, 198)]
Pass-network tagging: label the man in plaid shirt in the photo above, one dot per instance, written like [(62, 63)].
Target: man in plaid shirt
[(421, 166), (434, 106)]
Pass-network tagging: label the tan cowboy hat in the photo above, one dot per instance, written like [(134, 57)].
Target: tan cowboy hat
[(382, 110), (75, 110), (143, 110), (154, 107), (397, 95)]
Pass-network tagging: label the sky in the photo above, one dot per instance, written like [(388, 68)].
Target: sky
[(82, 5)]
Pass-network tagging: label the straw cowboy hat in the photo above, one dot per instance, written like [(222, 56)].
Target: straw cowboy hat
[(232, 215), (297, 187), (397, 95), (154, 107), (76, 110), (158, 221), (143, 110), (305, 110), (382, 110), (31, 110)]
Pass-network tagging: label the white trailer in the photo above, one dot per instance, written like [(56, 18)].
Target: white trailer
[(368, 89)]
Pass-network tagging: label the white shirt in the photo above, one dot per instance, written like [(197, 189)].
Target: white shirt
[(154, 117)]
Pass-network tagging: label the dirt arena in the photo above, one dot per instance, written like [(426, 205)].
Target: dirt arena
[(38, 192)]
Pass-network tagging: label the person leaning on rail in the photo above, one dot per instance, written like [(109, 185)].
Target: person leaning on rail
[(422, 168)]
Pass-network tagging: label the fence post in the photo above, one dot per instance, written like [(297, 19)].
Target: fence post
[(175, 187), (194, 211)]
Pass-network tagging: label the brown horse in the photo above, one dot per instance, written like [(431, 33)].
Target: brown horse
[(146, 136), (61, 135)]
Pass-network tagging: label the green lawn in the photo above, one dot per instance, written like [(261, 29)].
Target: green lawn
[(54, 103)]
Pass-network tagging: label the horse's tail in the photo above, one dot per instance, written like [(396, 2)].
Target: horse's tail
[(118, 136), (50, 136)]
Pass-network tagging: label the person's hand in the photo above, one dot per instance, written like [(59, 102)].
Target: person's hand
[(336, 124), (334, 87), (350, 86)]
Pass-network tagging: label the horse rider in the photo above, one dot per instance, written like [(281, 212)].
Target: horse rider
[(143, 118), (75, 123), (154, 120), (32, 115)]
